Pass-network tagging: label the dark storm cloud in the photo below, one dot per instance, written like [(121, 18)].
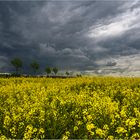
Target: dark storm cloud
[(74, 35)]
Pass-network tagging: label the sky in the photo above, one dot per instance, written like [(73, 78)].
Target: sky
[(71, 35)]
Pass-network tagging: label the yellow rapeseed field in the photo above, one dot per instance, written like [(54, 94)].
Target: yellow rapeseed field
[(72, 108)]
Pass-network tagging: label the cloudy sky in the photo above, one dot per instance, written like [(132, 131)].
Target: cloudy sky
[(76, 35)]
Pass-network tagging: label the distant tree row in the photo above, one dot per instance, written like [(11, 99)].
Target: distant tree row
[(18, 64)]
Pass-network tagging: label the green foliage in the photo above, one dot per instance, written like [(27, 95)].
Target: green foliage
[(35, 66), (55, 70), (17, 63), (67, 73), (48, 70)]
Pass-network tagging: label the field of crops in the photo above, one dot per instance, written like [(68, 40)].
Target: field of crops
[(73, 108)]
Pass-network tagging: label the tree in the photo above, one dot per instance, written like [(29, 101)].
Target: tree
[(55, 70), (35, 66), (48, 70), (67, 73), (17, 63)]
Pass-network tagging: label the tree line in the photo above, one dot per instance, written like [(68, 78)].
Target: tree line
[(34, 65), (18, 64)]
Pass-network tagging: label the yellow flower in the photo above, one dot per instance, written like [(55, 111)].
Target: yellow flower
[(41, 130), (65, 137), (100, 132), (110, 138), (13, 131), (75, 128), (121, 130), (90, 126), (67, 133), (132, 122), (106, 127), (35, 130), (3, 137), (89, 117), (139, 124), (135, 136), (123, 113), (31, 105), (7, 121), (92, 133), (79, 123)]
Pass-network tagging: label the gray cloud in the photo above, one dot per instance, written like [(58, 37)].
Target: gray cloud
[(78, 35), (4, 63)]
